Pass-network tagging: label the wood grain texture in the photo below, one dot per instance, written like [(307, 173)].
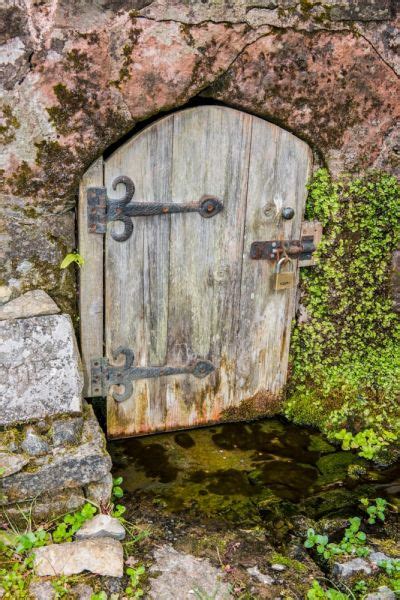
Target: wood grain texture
[(91, 301), (183, 287)]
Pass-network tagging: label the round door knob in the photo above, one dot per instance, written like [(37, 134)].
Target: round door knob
[(287, 213)]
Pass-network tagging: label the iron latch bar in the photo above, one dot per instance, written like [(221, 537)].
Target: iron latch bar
[(274, 249), (102, 209), (104, 375)]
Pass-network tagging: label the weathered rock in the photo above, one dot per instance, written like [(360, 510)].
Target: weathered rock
[(278, 567), (351, 567), (64, 468), (99, 492), (186, 573), (382, 593), (45, 506), (67, 431), (261, 577), (5, 294), (82, 591), (42, 590), (376, 557), (101, 526), (34, 444), (31, 304), (103, 556), (12, 463), (40, 369)]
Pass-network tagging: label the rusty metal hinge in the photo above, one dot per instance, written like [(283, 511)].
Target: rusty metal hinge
[(104, 375), (102, 209), (302, 249)]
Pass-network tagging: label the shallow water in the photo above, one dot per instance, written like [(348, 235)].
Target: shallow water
[(248, 473)]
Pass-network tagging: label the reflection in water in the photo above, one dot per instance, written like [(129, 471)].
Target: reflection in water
[(248, 471)]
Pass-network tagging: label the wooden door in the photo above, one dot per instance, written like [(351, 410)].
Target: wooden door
[(183, 288)]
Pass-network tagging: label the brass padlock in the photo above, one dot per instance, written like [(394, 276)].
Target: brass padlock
[(284, 279)]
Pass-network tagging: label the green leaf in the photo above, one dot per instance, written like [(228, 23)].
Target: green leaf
[(72, 257)]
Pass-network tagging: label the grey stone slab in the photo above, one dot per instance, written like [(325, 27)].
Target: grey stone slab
[(173, 570), (40, 369), (65, 467), (382, 593), (103, 556), (44, 507), (34, 444), (31, 304), (99, 492)]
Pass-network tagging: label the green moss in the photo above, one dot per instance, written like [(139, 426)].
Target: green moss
[(291, 563), (345, 359)]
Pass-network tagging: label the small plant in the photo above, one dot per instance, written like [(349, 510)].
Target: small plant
[(316, 592), (375, 511), (391, 566), (352, 542), (31, 539), (117, 490), (135, 573), (72, 257), (99, 596), (70, 524), (117, 510), (360, 588)]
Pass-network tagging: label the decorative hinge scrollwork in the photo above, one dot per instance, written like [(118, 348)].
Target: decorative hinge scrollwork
[(102, 209), (104, 374)]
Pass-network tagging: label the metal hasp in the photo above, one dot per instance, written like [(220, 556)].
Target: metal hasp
[(102, 209), (275, 249), (104, 375)]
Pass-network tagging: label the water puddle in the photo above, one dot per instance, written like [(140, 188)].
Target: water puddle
[(248, 473)]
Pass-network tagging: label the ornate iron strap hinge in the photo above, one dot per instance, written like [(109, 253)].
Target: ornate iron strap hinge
[(104, 375), (102, 209)]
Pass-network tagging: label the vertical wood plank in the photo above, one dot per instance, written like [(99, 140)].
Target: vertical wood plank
[(278, 172), (90, 278), (137, 277), (211, 155)]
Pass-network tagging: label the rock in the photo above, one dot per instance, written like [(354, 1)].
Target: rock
[(67, 431), (82, 591), (101, 526), (42, 590), (12, 463), (5, 294), (376, 557), (382, 593), (40, 372), (30, 304), (45, 506), (262, 578), (64, 468), (351, 567), (100, 492), (186, 573), (103, 556), (34, 444), (278, 567)]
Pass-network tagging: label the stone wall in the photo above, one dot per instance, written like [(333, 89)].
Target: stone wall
[(52, 451), (77, 75)]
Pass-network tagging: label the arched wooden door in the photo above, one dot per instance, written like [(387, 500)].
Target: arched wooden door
[(182, 291)]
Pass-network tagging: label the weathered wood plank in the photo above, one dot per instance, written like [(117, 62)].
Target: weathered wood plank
[(279, 168), (137, 276), (90, 278), (211, 155)]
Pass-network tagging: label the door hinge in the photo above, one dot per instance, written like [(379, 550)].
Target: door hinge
[(302, 249), (102, 210), (104, 374)]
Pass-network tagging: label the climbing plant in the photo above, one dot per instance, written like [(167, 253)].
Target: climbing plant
[(345, 352)]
